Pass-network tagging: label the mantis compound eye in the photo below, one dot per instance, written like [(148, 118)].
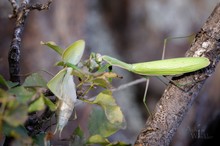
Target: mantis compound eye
[(110, 68), (98, 58)]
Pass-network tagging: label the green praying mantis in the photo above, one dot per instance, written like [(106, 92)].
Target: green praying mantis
[(63, 86), (174, 66)]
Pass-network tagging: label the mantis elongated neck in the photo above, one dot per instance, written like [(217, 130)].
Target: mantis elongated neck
[(115, 62)]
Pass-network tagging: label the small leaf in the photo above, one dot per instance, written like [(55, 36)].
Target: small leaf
[(7, 84), (37, 105), (53, 46), (39, 139), (112, 110), (60, 63), (97, 139), (3, 81), (4, 96), (99, 124), (78, 131), (74, 52), (16, 115), (50, 104), (77, 138), (35, 80), (12, 84), (55, 84), (22, 94), (19, 133), (102, 83)]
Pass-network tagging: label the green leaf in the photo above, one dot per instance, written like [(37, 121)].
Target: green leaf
[(4, 96), (50, 104), (53, 46), (99, 124), (78, 131), (3, 81), (60, 63), (97, 139), (12, 84), (19, 133), (103, 79), (37, 105), (7, 84), (22, 94), (35, 80), (112, 110), (39, 139), (77, 138), (16, 115), (102, 82), (55, 84), (74, 52)]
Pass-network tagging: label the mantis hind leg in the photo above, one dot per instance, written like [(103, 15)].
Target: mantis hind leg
[(145, 96), (185, 86)]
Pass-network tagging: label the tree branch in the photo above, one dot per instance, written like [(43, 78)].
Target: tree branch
[(174, 104), (20, 13)]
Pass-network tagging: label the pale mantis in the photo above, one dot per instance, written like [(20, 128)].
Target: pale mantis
[(62, 84)]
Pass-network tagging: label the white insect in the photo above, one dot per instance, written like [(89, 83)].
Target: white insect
[(62, 84)]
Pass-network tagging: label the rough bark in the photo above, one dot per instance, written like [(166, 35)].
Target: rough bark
[(20, 13), (174, 104)]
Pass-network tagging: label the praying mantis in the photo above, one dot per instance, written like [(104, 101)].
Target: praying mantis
[(174, 66), (63, 86)]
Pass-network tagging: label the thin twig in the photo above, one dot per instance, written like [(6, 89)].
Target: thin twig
[(15, 7), (40, 7), (20, 13)]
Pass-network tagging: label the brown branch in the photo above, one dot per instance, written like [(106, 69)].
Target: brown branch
[(20, 13), (174, 104), (15, 7), (40, 7)]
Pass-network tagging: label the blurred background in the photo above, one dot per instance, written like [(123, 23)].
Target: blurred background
[(132, 31)]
